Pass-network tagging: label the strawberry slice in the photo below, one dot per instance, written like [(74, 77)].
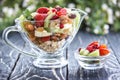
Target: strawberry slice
[(39, 19), (63, 11), (44, 39), (94, 43), (102, 46), (90, 48), (93, 46), (103, 51), (43, 10)]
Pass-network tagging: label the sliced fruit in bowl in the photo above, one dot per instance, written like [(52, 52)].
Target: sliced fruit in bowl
[(95, 49), (45, 23), (93, 56)]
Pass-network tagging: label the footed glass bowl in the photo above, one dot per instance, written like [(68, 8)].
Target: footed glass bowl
[(89, 62), (47, 43)]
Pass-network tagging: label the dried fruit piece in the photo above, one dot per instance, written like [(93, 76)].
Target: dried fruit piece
[(79, 49), (63, 36), (58, 8), (40, 29), (54, 38), (28, 26), (72, 16), (44, 39), (57, 34), (32, 37)]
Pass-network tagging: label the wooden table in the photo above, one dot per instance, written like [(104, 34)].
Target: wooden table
[(16, 66)]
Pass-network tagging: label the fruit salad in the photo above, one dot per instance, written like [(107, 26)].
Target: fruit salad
[(48, 28), (94, 56), (94, 49)]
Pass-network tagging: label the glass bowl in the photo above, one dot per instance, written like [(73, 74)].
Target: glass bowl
[(48, 50), (89, 62)]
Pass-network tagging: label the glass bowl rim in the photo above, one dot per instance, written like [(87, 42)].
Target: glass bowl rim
[(91, 57)]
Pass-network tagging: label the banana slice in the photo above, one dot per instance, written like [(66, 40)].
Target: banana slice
[(42, 34)]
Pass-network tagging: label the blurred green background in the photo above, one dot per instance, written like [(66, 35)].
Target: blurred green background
[(103, 15)]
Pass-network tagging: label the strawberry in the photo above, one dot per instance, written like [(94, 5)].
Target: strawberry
[(43, 10), (44, 39), (90, 48), (39, 19), (63, 11), (102, 46), (93, 43), (103, 51)]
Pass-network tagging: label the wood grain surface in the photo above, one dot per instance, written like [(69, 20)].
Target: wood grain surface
[(16, 66)]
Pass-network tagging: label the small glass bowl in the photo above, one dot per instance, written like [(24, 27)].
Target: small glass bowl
[(89, 62)]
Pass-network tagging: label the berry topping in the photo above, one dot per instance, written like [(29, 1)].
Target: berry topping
[(39, 19), (72, 16), (61, 26), (62, 12), (94, 43), (93, 46), (96, 50), (54, 10), (54, 17), (43, 10), (58, 8), (90, 48)]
